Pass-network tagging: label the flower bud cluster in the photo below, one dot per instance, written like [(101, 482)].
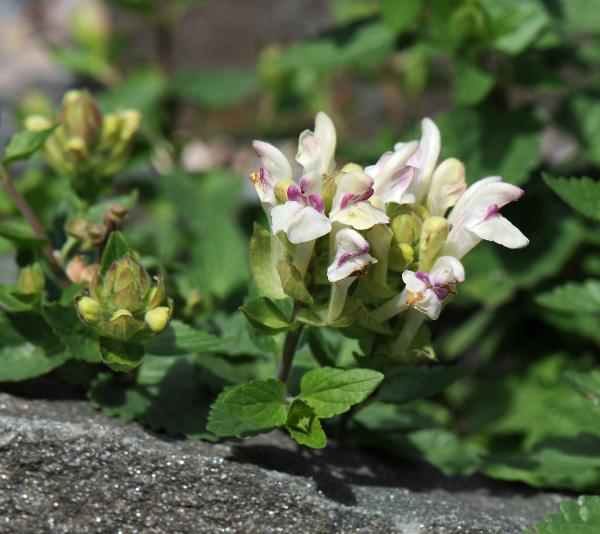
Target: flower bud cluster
[(125, 304), (87, 146), (400, 226)]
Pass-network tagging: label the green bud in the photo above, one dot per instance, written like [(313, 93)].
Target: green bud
[(90, 26), (158, 318), (31, 280), (328, 190), (406, 228), (121, 304), (80, 116), (88, 309), (433, 236), (281, 189), (401, 256)]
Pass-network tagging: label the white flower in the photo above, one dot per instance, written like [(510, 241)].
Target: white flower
[(447, 186), (301, 217), (427, 292), (476, 216), (351, 204), (275, 167), (316, 149), (351, 256), (392, 176)]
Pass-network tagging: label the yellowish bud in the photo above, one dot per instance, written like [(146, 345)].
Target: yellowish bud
[(401, 256), (37, 123), (31, 280), (89, 309), (433, 236), (158, 318), (281, 189), (121, 313)]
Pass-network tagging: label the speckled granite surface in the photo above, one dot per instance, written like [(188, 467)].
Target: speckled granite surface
[(65, 468)]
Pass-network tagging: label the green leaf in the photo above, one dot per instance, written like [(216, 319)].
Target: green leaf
[(24, 144), (586, 113), (72, 332), (260, 403), (12, 302), (582, 194), (214, 89), (292, 282), (21, 234), (515, 24), (411, 383), (115, 249), (266, 316), (223, 424), (588, 384), (304, 426), (27, 347), (121, 355), (399, 15), (471, 84), (578, 517), (264, 269), (573, 298), (166, 394), (332, 391), (179, 339)]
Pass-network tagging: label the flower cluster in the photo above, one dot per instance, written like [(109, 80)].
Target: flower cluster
[(400, 226)]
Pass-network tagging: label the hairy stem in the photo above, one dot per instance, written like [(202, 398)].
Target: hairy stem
[(34, 223), (289, 350)]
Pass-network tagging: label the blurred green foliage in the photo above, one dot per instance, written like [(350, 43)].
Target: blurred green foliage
[(514, 86)]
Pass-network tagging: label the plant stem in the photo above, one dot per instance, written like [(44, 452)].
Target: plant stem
[(35, 225), (414, 320), (289, 350)]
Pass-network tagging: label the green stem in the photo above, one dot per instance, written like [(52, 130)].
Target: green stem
[(289, 350), (389, 309), (35, 225), (302, 255), (337, 299), (413, 322)]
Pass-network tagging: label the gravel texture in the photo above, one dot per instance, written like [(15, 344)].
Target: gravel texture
[(66, 468)]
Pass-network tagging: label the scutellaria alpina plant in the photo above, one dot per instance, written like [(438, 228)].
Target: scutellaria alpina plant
[(371, 251)]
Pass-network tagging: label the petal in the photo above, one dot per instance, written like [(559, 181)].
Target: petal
[(355, 184), (413, 284), (326, 138), (429, 151), (360, 216), (308, 224), (352, 255), (282, 215), (273, 160), (396, 161), (430, 304), (447, 270), (472, 192), (447, 186), (353, 267), (347, 240), (500, 230)]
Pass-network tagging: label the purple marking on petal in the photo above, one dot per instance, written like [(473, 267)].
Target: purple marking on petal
[(346, 199), (294, 193), (440, 292), (303, 183), (344, 258), (365, 196), (317, 202), (423, 276), (492, 210), (365, 248), (261, 176)]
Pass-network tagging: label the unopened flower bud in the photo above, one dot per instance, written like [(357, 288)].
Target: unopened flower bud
[(351, 167), (116, 213), (89, 309), (78, 271), (433, 236), (447, 185), (31, 280), (158, 318), (406, 228), (401, 256), (76, 149), (80, 116), (328, 191), (281, 189)]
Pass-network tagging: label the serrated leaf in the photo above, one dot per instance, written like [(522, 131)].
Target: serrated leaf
[(411, 383), (72, 332), (260, 403), (266, 316), (264, 269), (223, 424), (24, 144), (573, 298), (116, 248), (179, 339), (304, 426), (120, 355), (578, 517), (292, 283), (27, 347), (332, 391), (582, 194), (166, 394)]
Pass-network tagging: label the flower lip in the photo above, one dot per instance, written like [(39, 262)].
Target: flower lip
[(295, 194), (423, 276), (492, 210), (346, 256)]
